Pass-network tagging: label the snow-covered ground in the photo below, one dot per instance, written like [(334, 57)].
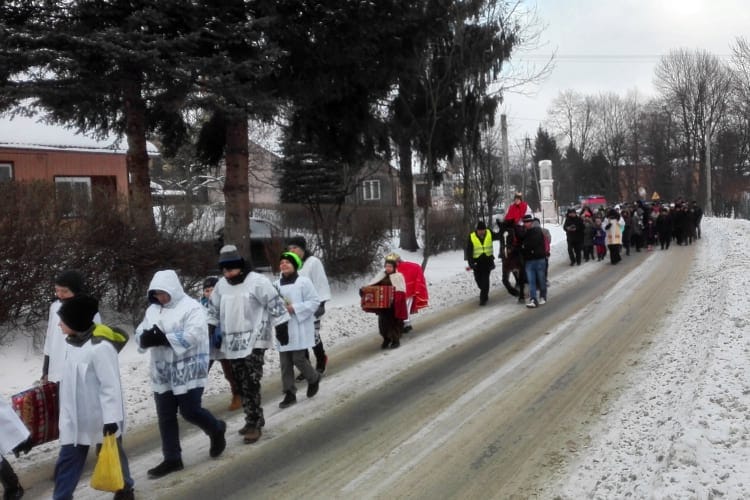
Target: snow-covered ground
[(678, 428)]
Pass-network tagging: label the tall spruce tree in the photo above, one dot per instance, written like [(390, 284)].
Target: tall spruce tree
[(453, 103), (235, 61), (340, 64)]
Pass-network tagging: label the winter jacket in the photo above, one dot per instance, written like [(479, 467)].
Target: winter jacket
[(600, 236), (90, 390), (12, 430), (588, 232), (664, 225), (248, 313), (486, 260), (573, 226), (532, 244), (183, 364), (303, 297), (614, 229), (516, 212), (54, 343), (636, 224)]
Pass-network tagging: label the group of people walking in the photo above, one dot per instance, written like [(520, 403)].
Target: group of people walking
[(240, 316), (638, 226), (590, 236), (530, 244)]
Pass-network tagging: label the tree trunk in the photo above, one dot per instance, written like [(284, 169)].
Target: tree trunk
[(236, 187), (408, 233), (136, 160)]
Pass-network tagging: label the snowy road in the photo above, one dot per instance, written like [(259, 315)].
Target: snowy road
[(474, 406)]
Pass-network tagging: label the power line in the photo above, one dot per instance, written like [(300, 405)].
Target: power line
[(601, 58)]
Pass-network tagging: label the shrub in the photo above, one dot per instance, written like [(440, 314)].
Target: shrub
[(117, 258), (446, 230)]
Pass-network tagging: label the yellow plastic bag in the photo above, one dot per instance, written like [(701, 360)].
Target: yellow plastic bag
[(107, 474)]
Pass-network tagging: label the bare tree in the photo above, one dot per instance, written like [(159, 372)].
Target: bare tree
[(610, 128), (695, 85), (527, 69), (572, 117), (741, 71)]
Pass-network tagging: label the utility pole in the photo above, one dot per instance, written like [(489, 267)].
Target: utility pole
[(506, 162), (530, 165), (709, 209)]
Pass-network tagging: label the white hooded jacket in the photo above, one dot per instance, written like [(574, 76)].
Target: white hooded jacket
[(248, 313), (183, 365)]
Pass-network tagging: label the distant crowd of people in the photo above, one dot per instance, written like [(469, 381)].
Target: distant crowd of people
[(591, 235)]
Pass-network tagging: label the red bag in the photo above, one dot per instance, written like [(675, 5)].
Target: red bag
[(39, 409), (376, 297)]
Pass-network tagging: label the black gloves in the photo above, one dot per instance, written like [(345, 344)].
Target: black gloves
[(153, 337), (282, 333), (24, 447), (109, 428), (214, 337)]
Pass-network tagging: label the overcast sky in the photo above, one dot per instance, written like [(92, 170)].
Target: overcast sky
[(601, 46), (614, 45)]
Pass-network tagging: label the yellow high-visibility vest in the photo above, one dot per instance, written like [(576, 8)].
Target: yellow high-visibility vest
[(482, 247)]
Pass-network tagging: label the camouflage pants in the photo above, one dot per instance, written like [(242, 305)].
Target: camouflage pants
[(248, 373)]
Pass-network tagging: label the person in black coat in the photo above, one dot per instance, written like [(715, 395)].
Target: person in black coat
[(574, 230), (664, 228), (534, 253)]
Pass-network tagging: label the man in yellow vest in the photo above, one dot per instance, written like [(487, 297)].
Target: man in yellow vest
[(480, 256)]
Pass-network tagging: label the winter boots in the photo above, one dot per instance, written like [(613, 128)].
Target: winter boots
[(124, 494), (312, 389), (218, 440), (164, 468), (289, 400), (10, 482), (252, 435), (321, 363)]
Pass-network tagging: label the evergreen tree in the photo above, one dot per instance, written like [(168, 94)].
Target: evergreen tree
[(340, 63), (234, 60), (107, 67)]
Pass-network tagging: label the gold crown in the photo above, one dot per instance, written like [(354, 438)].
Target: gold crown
[(392, 257)]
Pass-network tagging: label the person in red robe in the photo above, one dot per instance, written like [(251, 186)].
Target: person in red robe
[(517, 210), (417, 296)]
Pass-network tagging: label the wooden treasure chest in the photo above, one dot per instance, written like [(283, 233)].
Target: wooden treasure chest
[(376, 298), (39, 408)]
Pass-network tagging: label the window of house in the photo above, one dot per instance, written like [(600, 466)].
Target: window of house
[(73, 195), (371, 190), (6, 171)]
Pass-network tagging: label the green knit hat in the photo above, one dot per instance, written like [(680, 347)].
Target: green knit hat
[(293, 258)]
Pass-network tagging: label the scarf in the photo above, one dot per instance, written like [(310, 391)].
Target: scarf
[(236, 280), (288, 280), (77, 339)]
